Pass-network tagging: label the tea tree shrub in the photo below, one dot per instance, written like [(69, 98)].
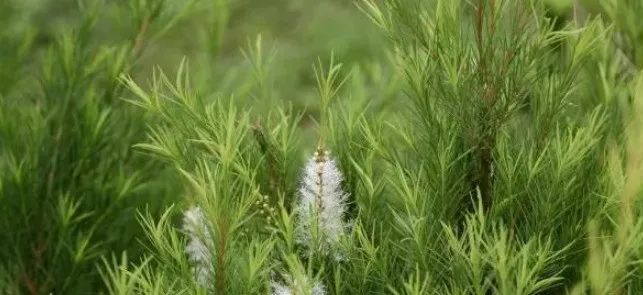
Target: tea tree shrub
[(487, 147), (70, 179)]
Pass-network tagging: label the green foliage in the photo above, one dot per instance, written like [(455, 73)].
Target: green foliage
[(484, 147), (69, 176)]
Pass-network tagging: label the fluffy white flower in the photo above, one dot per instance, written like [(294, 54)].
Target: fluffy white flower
[(322, 203), (297, 288), (199, 245)]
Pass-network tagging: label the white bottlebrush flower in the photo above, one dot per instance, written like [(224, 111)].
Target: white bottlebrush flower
[(322, 204), (298, 288), (199, 245)]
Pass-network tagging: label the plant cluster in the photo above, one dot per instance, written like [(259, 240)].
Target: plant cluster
[(494, 147)]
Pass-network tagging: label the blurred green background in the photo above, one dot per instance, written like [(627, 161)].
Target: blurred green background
[(212, 35)]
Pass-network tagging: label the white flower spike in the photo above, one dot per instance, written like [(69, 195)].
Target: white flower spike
[(297, 288), (199, 245), (322, 204)]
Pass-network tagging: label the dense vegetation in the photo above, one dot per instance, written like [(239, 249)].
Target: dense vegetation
[(321, 147)]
